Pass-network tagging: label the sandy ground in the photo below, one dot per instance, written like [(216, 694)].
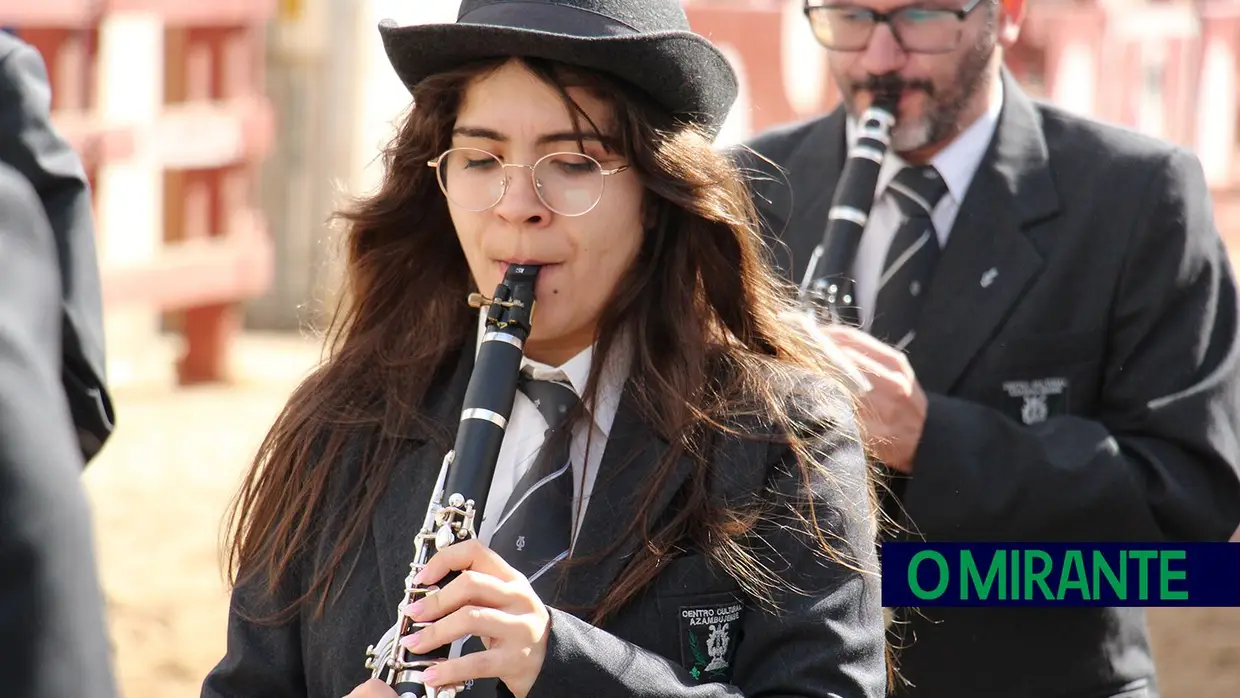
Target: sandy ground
[(161, 487), (160, 490)]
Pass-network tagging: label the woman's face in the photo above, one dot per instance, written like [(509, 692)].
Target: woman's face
[(518, 118)]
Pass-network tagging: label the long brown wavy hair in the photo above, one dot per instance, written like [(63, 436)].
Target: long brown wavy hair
[(707, 314)]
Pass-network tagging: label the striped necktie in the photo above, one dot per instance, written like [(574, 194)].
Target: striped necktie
[(912, 256), (535, 530)]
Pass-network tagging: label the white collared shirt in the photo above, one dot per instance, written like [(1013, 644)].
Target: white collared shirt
[(956, 164), (524, 435)]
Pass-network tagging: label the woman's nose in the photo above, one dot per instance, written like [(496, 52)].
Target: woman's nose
[(521, 204)]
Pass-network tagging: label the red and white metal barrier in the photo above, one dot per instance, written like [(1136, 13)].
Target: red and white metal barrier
[(164, 101)]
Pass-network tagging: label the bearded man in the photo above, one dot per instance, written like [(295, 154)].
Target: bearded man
[(1046, 320)]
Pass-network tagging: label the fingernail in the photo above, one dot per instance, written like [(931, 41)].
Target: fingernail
[(415, 609), (429, 675), (410, 642)]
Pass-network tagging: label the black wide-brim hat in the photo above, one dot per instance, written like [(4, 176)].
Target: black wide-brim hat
[(647, 43)]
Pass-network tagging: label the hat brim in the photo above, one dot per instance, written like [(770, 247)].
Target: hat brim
[(679, 69)]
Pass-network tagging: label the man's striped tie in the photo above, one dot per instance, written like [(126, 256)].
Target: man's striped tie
[(912, 256)]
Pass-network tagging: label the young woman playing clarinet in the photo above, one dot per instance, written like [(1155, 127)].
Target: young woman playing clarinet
[(681, 505)]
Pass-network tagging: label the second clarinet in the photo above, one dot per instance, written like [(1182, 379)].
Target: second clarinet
[(827, 288)]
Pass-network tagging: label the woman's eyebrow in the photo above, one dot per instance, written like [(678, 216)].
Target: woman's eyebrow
[(545, 139)]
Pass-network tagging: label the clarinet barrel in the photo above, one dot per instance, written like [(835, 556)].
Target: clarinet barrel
[(826, 290)]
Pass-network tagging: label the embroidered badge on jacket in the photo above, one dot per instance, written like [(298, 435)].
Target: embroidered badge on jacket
[(708, 639), (1037, 400)]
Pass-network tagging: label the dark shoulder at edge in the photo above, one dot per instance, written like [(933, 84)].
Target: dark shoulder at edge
[(10, 45), (769, 150), (1098, 144), (777, 142)]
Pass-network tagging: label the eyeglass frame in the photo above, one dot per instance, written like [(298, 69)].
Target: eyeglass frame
[(877, 18), (434, 162)]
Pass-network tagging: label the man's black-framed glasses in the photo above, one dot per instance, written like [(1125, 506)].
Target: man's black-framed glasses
[(920, 28)]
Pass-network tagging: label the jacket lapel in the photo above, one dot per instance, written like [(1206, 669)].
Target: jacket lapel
[(397, 517), (989, 260), (630, 460)]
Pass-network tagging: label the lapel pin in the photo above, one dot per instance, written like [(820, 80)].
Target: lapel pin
[(989, 277)]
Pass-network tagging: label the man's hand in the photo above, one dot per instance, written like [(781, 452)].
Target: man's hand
[(893, 405)]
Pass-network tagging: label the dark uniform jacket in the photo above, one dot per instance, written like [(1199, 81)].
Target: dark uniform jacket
[(30, 144)]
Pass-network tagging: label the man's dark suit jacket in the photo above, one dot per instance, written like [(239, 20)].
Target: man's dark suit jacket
[(30, 144), (53, 642), (829, 643), (1078, 345)]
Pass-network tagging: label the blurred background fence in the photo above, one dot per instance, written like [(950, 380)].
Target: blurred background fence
[(220, 135)]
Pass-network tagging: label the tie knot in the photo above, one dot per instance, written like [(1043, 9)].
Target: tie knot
[(917, 190), (554, 399)]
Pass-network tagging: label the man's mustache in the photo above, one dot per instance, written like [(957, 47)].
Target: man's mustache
[(892, 84)]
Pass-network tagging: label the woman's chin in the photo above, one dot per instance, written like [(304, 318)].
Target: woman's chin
[(554, 343)]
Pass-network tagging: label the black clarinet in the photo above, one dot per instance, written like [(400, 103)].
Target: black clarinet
[(826, 289), (465, 475)]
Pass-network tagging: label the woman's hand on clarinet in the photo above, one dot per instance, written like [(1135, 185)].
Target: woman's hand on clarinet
[(489, 600), (373, 688)]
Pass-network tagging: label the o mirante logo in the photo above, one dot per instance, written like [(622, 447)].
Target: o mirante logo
[(1059, 574)]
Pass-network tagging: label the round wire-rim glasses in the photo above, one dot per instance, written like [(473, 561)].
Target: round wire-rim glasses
[(569, 183), (904, 23)]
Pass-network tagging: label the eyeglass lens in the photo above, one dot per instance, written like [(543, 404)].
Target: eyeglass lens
[(918, 29), (569, 184)]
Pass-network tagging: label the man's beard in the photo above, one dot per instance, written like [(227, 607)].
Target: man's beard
[(940, 118)]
